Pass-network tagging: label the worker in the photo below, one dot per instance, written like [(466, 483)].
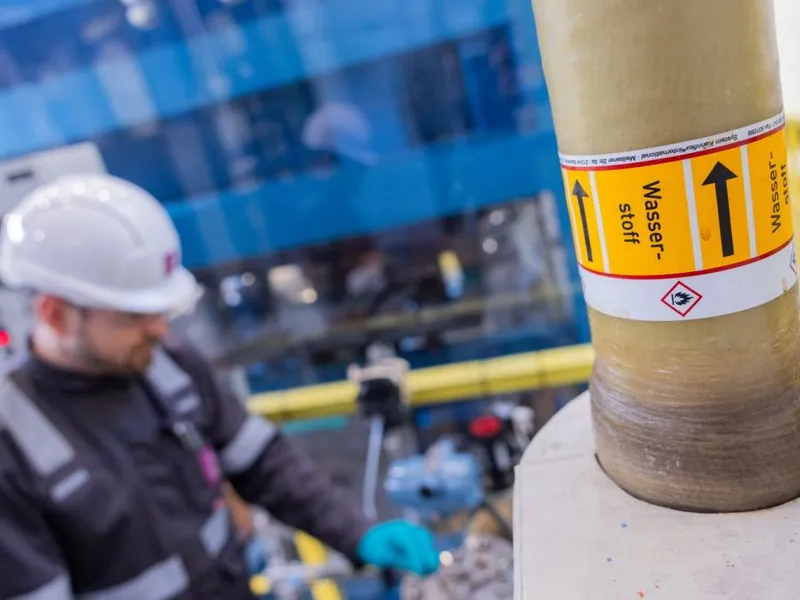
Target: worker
[(115, 438)]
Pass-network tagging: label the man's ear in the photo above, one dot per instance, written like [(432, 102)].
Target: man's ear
[(54, 312)]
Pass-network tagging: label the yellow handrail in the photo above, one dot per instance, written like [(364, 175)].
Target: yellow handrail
[(435, 385)]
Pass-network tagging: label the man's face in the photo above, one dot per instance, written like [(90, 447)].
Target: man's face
[(103, 341), (120, 342)]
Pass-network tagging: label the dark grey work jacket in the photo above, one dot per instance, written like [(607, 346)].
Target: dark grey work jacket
[(109, 486)]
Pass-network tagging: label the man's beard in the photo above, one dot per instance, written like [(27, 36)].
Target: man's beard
[(84, 355), (140, 358)]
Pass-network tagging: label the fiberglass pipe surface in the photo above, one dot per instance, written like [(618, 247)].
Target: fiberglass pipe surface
[(695, 414)]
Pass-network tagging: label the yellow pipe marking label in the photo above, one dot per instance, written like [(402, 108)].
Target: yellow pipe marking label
[(686, 231)]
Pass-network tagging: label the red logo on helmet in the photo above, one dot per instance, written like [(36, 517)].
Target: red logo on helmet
[(171, 261)]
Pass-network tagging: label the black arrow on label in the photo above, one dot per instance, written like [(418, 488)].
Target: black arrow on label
[(580, 194), (719, 176)]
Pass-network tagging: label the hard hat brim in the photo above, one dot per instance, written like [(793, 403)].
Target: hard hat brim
[(176, 295), (179, 294)]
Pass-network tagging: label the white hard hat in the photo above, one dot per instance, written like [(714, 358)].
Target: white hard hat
[(96, 241)]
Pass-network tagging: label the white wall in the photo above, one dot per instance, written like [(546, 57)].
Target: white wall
[(787, 13)]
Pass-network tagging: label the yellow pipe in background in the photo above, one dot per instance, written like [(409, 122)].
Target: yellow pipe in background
[(568, 365), (793, 139)]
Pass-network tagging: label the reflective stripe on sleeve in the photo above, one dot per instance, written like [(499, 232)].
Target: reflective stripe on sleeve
[(57, 589), (162, 581), (69, 485), (40, 441), (187, 404), (248, 444), (216, 532)]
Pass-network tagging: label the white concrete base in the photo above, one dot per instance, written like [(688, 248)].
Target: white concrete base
[(579, 537)]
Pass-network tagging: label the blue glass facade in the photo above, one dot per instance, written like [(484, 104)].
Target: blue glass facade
[(277, 132)]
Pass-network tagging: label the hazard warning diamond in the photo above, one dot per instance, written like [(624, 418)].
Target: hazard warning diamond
[(681, 298), (793, 261)]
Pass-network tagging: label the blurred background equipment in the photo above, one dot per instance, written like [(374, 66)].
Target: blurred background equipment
[(442, 487), (439, 483), (334, 171)]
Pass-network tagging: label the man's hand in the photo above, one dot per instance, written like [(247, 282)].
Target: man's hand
[(399, 545)]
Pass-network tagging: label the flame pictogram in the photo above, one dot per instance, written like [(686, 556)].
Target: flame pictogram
[(681, 298)]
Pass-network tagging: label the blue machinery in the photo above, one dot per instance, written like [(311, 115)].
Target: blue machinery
[(441, 482), (435, 485)]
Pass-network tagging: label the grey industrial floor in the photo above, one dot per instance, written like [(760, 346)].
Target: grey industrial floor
[(342, 454)]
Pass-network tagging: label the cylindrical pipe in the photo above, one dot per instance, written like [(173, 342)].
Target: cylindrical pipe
[(373, 467), (692, 413)]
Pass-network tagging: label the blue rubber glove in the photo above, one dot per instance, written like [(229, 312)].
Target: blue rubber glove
[(399, 545)]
